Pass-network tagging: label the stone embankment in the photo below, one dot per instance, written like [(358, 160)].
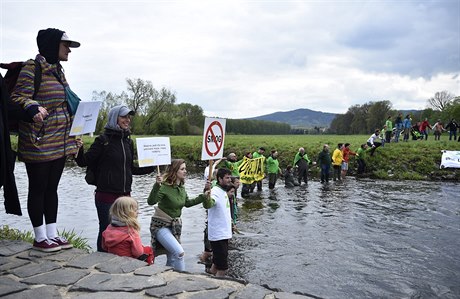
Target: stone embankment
[(73, 273)]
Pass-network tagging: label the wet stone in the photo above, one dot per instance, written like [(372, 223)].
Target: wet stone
[(283, 295), (222, 293), (64, 255), (152, 270), (7, 264), (10, 286), (87, 261), (60, 277), (120, 265), (48, 292), (32, 269), (253, 291), (116, 283), (111, 295), (9, 248), (183, 284)]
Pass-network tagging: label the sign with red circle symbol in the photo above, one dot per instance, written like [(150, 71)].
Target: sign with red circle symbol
[(213, 139)]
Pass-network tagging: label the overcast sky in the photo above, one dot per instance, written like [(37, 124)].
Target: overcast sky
[(240, 59)]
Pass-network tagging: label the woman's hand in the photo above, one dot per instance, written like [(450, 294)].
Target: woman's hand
[(207, 186), (41, 115), (79, 142), (159, 179)]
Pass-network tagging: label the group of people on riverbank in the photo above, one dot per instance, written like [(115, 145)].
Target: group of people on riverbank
[(418, 130)]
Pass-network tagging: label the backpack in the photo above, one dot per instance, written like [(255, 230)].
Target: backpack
[(15, 111)]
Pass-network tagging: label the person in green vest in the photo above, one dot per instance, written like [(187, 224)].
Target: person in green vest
[(301, 161), (360, 158), (273, 169), (389, 129), (258, 154), (232, 163)]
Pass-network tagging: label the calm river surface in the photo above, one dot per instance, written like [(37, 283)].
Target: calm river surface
[(355, 239)]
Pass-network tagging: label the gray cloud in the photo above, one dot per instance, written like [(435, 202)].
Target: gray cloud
[(241, 59)]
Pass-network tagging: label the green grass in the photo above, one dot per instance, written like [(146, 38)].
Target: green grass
[(416, 159), (7, 233)]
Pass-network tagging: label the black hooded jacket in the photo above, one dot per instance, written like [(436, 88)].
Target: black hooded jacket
[(112, 155)]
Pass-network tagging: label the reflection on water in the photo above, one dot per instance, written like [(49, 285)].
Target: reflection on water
[(357, 238)]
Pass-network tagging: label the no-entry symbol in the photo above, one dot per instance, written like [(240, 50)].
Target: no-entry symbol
[(213, 138)]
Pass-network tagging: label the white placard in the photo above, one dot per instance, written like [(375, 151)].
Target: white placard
[(152, 151), (85, 118), (450, 159), (213, 138)]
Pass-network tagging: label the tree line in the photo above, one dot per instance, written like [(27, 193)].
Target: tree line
[(157, 113), (365, 118)]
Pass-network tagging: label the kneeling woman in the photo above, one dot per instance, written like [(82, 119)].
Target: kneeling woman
[(166, 224)]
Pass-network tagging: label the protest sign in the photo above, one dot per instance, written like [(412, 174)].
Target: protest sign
[(213, 139), (85, 118), (153, 151)]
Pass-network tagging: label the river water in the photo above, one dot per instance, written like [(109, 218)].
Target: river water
[(352, 239)]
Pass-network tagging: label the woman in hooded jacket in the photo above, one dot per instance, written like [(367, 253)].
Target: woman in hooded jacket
[(44, 144), (112, 156)]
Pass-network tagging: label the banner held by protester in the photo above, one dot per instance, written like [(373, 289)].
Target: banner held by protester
[(251, 170)]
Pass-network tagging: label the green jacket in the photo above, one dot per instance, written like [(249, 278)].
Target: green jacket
[(233, 167), (298, 156), (171, 199), (360, 153), (273, 165), (389, 125)]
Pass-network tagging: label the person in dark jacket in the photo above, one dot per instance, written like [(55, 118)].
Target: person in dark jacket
[(452, 126), (7, 158), (112, 155), (325, 161)]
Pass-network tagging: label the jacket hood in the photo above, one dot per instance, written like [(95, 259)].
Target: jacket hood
[(48, 44), (114, 113), (115, 235)]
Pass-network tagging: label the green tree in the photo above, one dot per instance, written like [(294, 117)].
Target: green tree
[(192, 113), (161, 102), (378, 113), (108, 100), (139, 94)]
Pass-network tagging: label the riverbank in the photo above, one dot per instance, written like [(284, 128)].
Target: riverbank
[(412, 160), (73, 273)]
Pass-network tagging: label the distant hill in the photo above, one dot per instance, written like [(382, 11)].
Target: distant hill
[(300, 118)]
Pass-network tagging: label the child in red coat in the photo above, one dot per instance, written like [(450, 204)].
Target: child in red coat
[(122, 236)]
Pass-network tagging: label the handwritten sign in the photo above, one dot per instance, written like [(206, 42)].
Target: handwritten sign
[(85, 118), (152, 151), (213, 139)]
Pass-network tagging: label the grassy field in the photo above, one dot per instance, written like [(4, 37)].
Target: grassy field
[(416, 159)]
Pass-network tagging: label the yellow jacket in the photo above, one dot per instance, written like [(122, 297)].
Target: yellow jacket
[(337, 157)]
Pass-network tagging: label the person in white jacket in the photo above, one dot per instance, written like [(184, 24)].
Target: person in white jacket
[(219, 222)]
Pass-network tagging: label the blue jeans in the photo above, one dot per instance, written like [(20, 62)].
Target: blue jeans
[(452, 133), (398, 132), (175, 255), (325, 168)]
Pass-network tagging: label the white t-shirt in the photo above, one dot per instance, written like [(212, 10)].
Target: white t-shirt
[(372, 138), (219, 218)]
